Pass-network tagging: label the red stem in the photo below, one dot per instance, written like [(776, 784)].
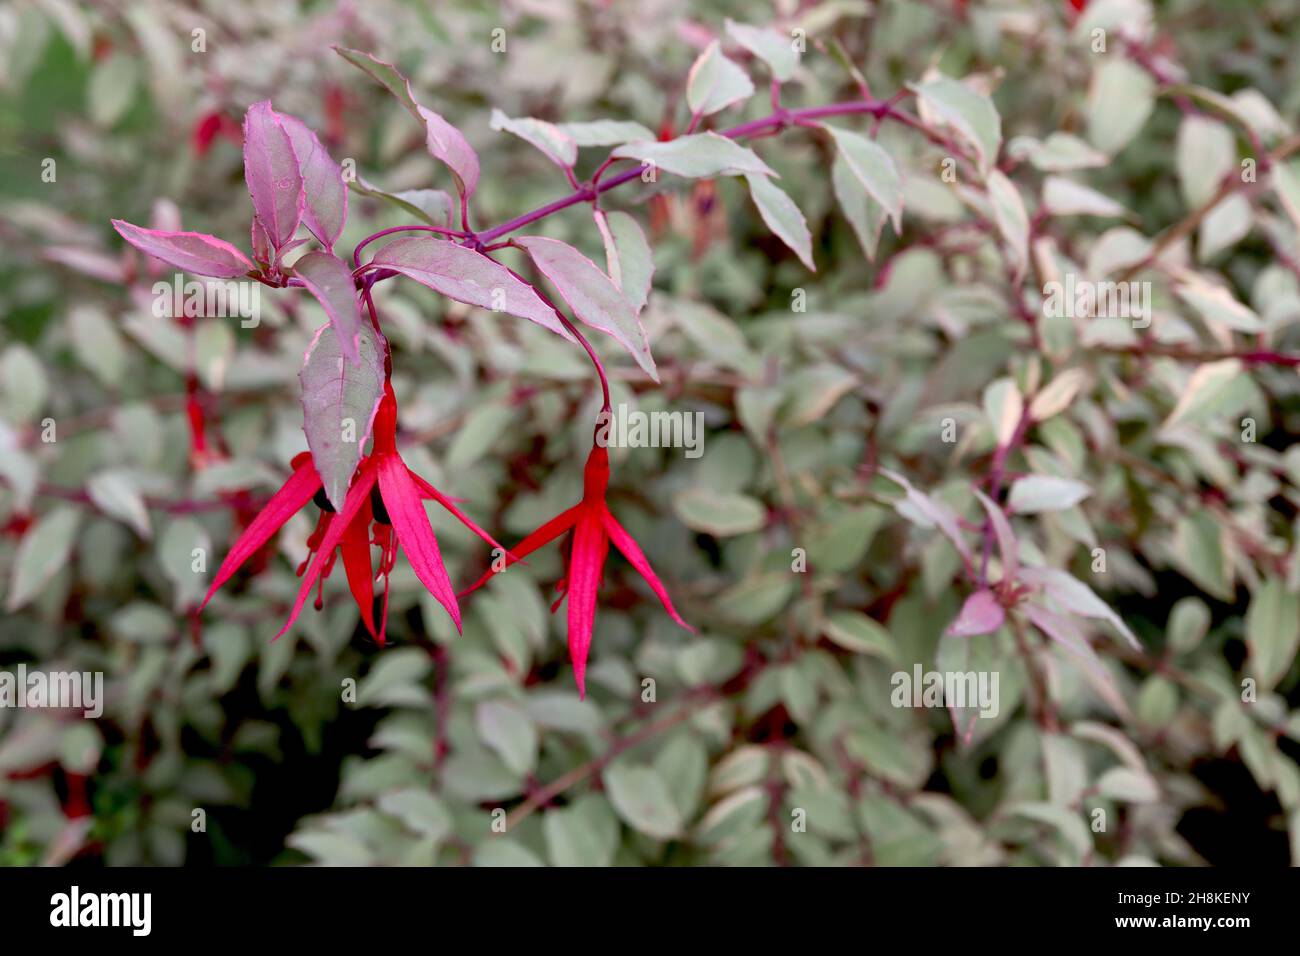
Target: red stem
[(1249, 356), (573, 330)]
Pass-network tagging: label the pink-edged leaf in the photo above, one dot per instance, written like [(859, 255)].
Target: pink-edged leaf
[(263, 252), (587, 559), (291, 245), (284, 504), (414, 533), (467, 276), (632, 551), (272, 173), (1066, 632), (782, 216), (447, 143), (1072, 595), (557, 145), (715, 82), (696, 156), (595, 300), (628, 258), (328, 278), (191, 251), (339, 401), (325, 194), (1007, 545), (933, 511), (981, 614), (444, 141), (358, 496)]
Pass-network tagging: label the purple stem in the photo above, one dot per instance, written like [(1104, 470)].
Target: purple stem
[(356, 253), (776, 121), (996, 476)]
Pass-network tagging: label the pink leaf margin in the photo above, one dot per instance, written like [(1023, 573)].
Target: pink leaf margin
[(273, 174), (194, 252)]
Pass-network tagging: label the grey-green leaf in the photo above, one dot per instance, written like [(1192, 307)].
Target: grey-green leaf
[(554, 142), (873, 168), (339, 401), (642, 799), (605, 132), (1120, 99), (968, 111), (116, 492), (628, 257), (431, 205), (715, 513), (697, 156), (770, 46), (507, 729), (715, 82), (782, 217), (865, 215), (1272, 632), (44, 549), (854, 631)]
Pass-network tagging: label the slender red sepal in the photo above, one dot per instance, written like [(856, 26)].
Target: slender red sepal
[(355, 547), (358, 496), (590, 545), (414, 533), (632, 551), (293, 495)]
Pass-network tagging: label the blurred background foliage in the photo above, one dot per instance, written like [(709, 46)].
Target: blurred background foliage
[(779, 710)]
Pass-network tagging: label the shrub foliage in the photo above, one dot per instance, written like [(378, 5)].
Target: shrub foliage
[(970, 342)]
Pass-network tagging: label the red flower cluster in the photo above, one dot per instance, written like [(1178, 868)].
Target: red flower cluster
[(384, 507), (593, 529)]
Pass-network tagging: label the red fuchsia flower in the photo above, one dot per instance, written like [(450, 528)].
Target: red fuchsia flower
[(384, 494), (593, 529)]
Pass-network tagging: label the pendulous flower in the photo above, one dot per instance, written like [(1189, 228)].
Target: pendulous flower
[(384, 507), (594, 527)]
